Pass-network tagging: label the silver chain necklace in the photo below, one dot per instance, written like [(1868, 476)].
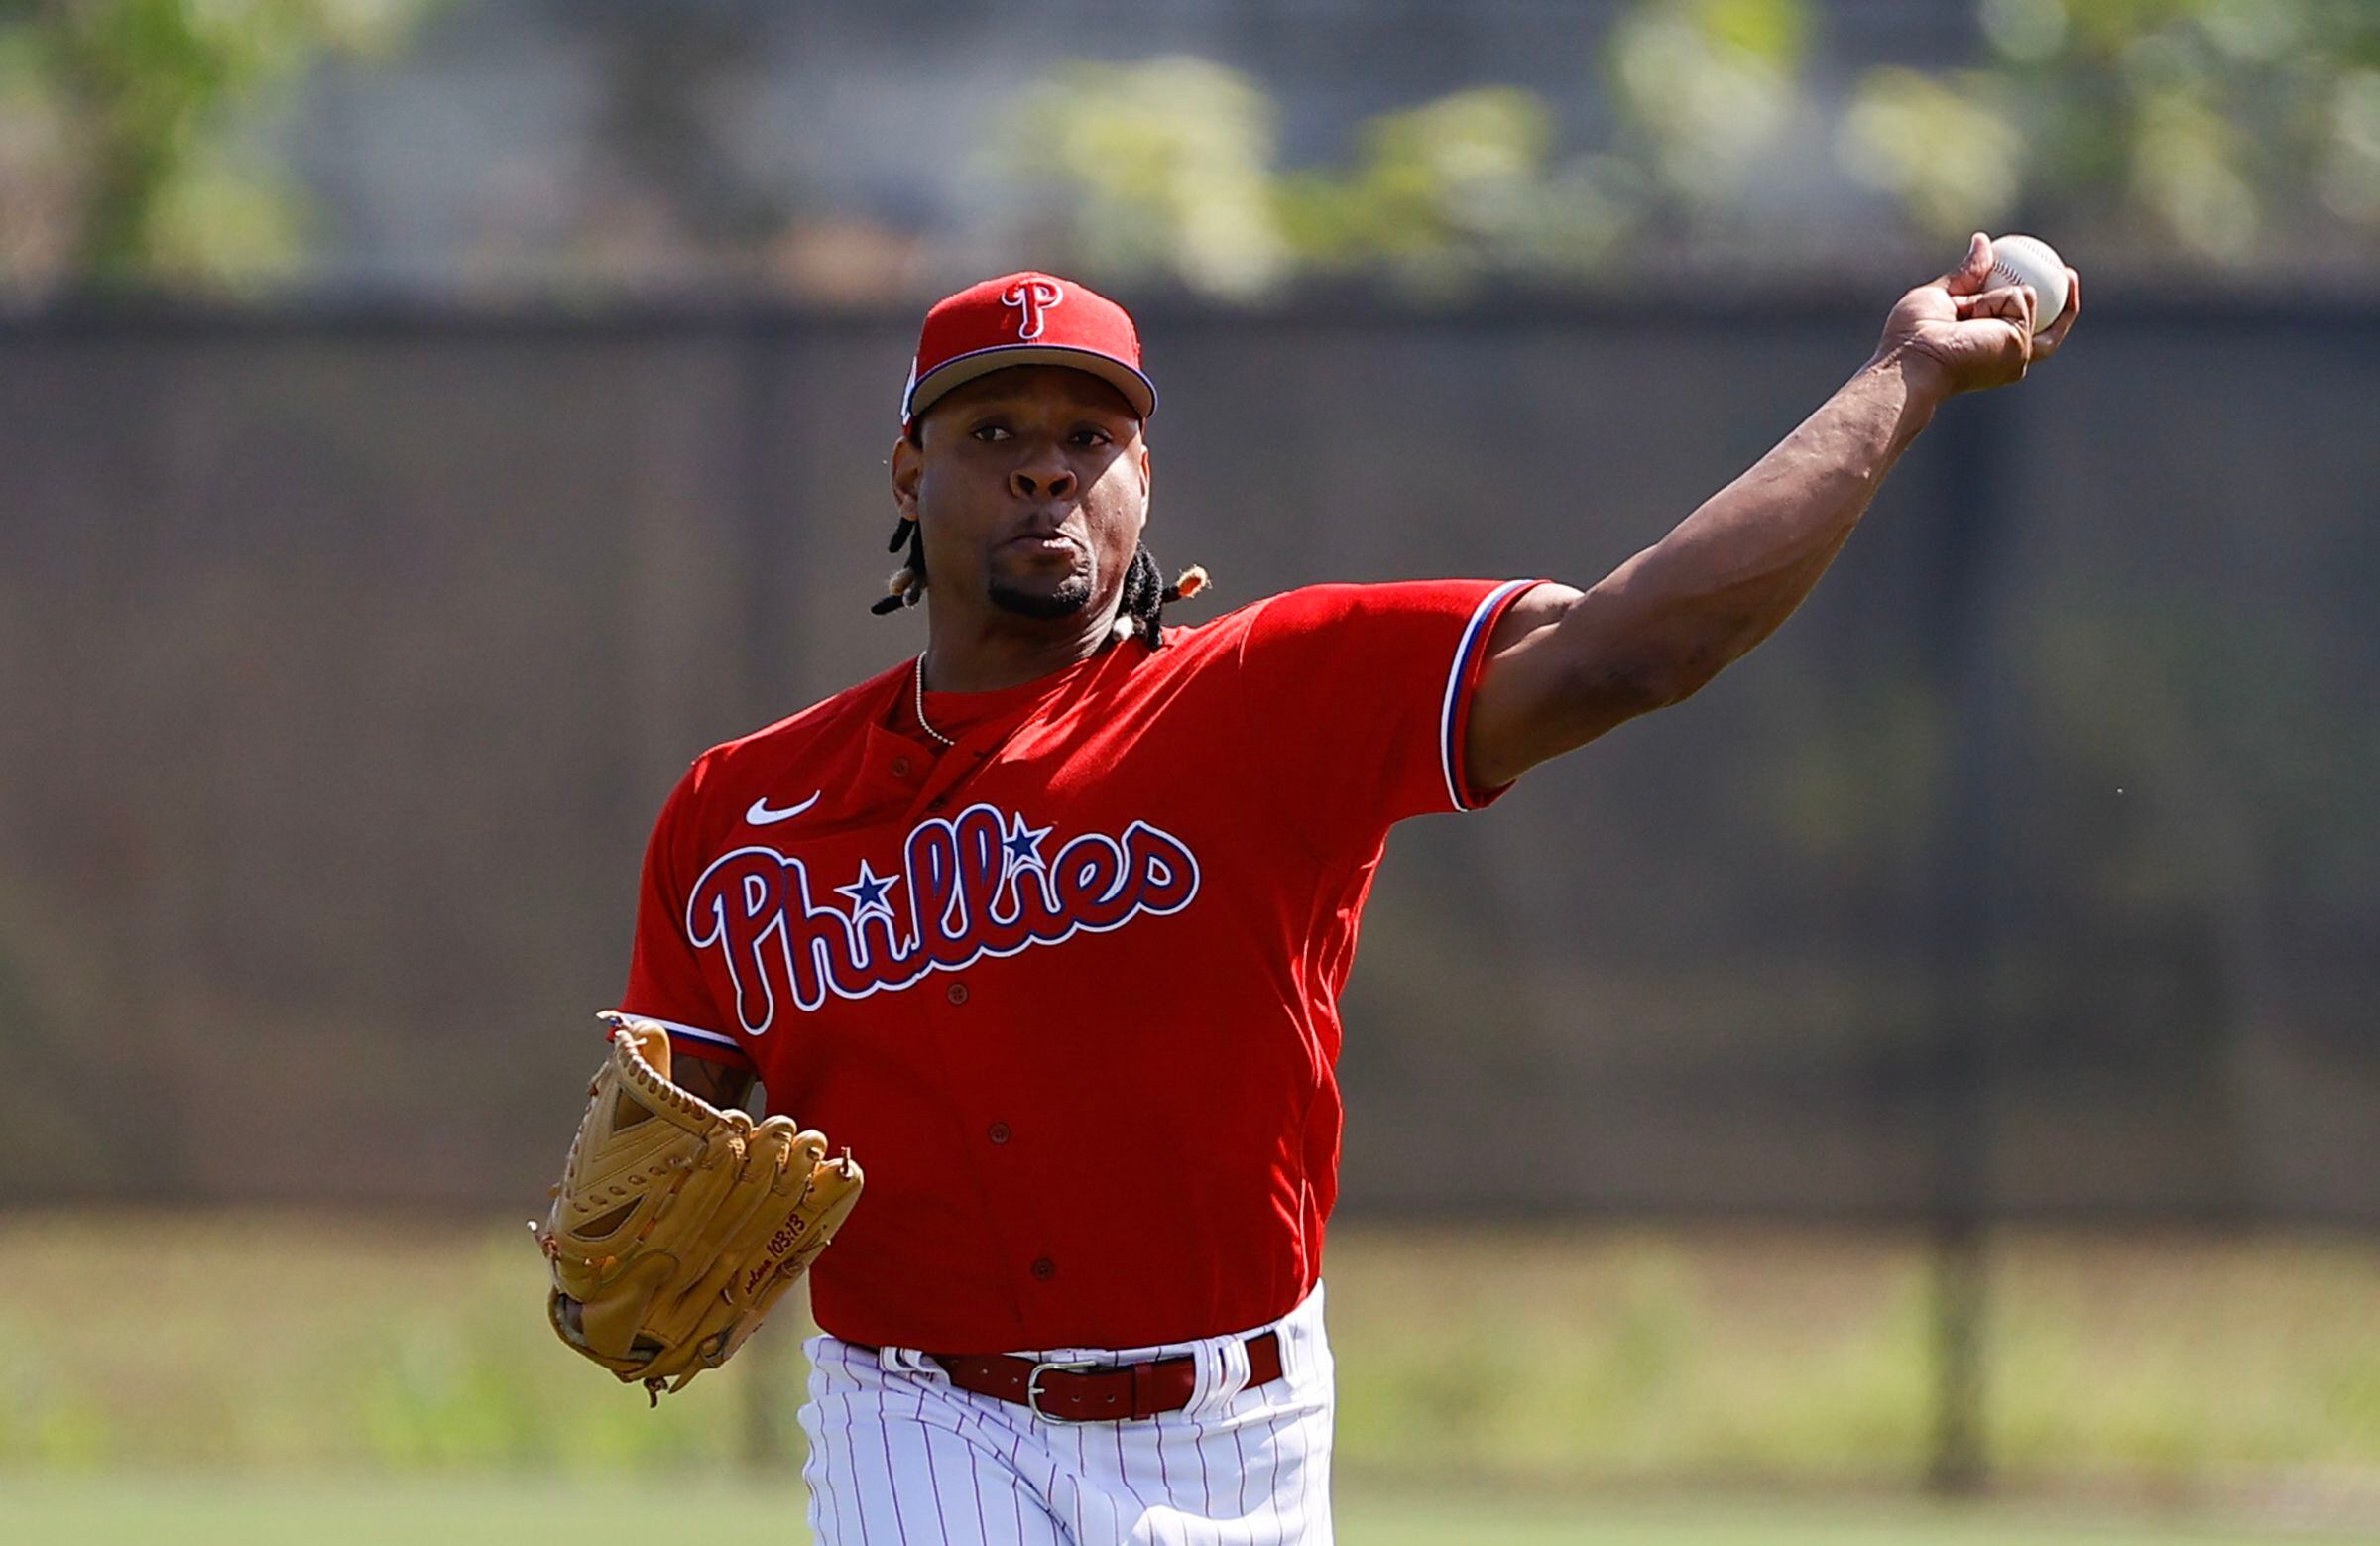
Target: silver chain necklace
[(922, 723)]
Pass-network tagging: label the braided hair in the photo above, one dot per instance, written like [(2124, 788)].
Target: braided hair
[(1146, 593)]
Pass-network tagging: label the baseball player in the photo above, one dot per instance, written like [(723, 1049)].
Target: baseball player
[(1047, 924)]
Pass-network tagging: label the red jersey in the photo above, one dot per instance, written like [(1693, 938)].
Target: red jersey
[(1068, 990)]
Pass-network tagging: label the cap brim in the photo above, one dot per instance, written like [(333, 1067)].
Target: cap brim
[(956, 372)]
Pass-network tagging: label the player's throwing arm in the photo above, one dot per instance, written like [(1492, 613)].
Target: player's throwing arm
[(1566, 665)]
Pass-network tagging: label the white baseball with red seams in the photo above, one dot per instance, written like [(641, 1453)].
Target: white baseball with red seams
[(2028, 260)]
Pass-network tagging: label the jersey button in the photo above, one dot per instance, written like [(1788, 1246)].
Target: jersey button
[(900, 768), (1000, 1133), (1045, 1269), (958, 993)]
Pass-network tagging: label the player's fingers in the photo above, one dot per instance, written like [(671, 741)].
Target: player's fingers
[(1969, 275), (2046, 342), (2005, 309), (2006, 302)]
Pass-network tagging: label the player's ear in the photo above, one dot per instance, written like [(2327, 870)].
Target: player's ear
[(908, 466)]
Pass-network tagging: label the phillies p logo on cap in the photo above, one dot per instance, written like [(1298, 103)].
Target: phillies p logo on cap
[(1028, 318), (1032, 298)]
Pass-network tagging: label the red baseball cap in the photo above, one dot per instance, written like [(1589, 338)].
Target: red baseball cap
[(1028, 318)]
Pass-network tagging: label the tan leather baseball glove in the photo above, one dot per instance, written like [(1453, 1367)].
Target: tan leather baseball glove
[(676, 1225)]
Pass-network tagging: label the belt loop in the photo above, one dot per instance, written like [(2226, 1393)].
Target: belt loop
[(1222, 1374), (1300, 1331), (1297, 1333), (908, 1361)]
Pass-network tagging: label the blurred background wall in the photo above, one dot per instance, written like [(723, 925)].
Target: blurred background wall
[(351, 661), (426, 423)]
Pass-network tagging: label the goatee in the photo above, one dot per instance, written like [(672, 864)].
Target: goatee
[(1070, 596)]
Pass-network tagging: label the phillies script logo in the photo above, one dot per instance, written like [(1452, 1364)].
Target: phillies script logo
[(1032, 297), (967, 887)]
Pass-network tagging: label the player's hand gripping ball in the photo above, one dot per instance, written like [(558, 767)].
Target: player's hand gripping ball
[(1987, 321), (2028, 260), (678, 1226)]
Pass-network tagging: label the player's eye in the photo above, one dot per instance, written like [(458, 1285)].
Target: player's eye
[(1089, 437), (990, 433)]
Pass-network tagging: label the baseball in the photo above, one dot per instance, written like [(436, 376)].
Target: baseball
[(2028, 260)]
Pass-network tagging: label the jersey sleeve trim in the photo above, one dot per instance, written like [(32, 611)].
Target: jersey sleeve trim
[(708, 1046), (1461, 677)]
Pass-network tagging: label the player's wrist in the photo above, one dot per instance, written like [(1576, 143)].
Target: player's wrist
[(1922, 379)]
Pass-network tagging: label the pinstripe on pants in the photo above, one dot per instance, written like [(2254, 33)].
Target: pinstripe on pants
[(899, 1458)]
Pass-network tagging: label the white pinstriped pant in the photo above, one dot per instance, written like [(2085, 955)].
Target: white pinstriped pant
[(899, 1458)]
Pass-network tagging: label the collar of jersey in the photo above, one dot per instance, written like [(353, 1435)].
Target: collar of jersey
[(960, 714)]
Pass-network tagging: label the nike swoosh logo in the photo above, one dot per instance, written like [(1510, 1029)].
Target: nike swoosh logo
[(761, 815)]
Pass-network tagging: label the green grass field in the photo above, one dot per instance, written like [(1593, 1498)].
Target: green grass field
[(343, 1381), (482, 1511)]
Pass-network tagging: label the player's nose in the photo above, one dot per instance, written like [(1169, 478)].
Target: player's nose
[(1045, 476)]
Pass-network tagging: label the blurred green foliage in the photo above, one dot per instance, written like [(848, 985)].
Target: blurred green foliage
[(2218, 132), (145, 143), (1702, 87), (2225, 130), (121, 155), (1169, 166)]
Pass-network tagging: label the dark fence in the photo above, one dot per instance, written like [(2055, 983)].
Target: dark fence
[(2033, 870)]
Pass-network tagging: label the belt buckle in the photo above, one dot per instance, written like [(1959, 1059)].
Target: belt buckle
[(1032, 1389)]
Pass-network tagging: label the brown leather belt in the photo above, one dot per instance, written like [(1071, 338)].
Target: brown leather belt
[(1098, 1392)]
